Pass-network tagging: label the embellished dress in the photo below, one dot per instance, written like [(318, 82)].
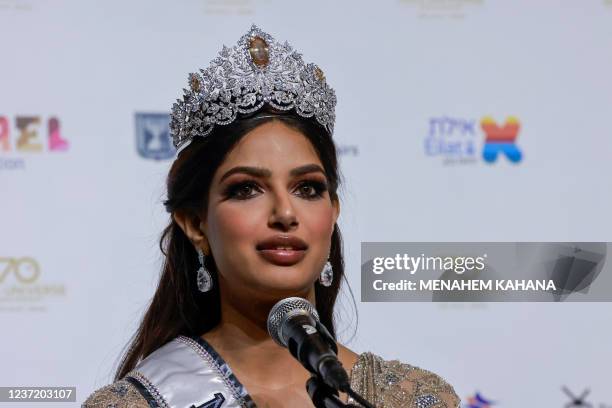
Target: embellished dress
[(166, 378)]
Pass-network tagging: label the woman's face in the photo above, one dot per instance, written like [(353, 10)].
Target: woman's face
[(268, 195)]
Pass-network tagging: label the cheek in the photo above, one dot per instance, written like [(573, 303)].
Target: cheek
[(319, 221), (230, 226), (235, 226)]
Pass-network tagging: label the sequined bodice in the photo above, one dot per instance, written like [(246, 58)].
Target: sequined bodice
[(388, 384)]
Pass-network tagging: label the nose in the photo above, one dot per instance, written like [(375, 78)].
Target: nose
[(283, 214)]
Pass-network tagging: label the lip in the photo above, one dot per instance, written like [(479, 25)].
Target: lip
[(294, 249), (282, 257)]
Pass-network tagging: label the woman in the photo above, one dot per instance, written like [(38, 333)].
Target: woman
[(254, 205)]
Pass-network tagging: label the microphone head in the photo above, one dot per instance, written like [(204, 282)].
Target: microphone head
[(282, 311)]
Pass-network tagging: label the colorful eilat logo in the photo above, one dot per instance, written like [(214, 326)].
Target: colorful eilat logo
[(27, 139), (478, 401), (460, 141), (500, 139)]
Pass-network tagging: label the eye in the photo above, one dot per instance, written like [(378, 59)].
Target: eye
[(312, 189), (242, 190)]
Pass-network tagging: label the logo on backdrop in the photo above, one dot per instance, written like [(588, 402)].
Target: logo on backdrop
[(577, 400), (455, 9), (29, 134), (500, 139), (153, 140), (478, 401), (22, 288), (466, 141)]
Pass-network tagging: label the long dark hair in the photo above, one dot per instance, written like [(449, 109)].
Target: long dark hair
[(178, 308)]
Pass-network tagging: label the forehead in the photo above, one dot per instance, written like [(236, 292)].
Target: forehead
[(273, 145)]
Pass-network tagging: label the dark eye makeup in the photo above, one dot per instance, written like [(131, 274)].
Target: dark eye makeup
[(243, 190)]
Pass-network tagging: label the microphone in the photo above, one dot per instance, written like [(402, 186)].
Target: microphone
[(294, 323)]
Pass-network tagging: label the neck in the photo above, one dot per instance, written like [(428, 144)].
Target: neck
[(242, 339)]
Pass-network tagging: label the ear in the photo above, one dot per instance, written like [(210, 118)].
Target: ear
[(336, 205), (194, 228)]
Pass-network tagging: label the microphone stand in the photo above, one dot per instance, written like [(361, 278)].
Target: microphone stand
[(324, 396)]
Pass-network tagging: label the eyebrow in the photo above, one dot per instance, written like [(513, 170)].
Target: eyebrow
[(265, 173)]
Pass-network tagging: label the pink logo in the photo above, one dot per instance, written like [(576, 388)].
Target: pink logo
[(28, 138)]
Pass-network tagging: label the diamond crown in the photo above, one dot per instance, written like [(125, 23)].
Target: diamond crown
[(258, 70)]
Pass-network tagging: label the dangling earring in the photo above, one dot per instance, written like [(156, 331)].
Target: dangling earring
[(204, 279), (327, 275)]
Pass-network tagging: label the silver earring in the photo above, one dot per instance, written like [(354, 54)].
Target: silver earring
[(327, 275), (204, 279)]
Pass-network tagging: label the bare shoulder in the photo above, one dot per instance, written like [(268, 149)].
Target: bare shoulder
[(347, 357), (120, 394), (392, 383)]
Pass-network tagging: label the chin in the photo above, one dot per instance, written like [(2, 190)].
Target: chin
[(285, 285)]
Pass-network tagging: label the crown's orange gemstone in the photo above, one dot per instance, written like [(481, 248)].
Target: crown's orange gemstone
[(258, 48), (319, 74), (195, 83)]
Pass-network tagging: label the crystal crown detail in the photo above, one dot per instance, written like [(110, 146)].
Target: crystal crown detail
[(258, 70)]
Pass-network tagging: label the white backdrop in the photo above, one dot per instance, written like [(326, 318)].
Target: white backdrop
[(89, 213)]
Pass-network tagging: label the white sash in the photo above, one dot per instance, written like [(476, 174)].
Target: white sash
[(188, 373)]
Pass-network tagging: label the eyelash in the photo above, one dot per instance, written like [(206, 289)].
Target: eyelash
[(233, 191)]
